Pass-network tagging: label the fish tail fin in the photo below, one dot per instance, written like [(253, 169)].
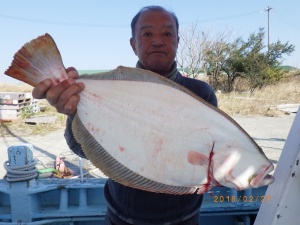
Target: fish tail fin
[(36, 61)]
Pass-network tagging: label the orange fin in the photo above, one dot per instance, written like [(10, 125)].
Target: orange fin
[(36, 61)]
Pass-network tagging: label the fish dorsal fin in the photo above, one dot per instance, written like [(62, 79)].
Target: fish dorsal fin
[(113, 169)]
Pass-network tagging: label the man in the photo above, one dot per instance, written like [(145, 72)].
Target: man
[(154, 40)]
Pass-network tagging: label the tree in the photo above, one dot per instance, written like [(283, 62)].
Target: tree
[(276, 51), (223, 59), (200, 52), (262, 66), (189, 56), (216, 52), (248, 59), (245, 60)]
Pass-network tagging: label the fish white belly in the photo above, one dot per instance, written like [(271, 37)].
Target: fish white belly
[(147, 127)]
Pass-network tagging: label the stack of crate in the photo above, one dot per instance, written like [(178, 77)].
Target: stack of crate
[(12, 103)]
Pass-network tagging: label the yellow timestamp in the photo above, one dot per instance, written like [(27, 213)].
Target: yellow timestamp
[(241, 198)]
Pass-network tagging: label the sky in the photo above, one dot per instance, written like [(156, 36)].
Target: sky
[(94, 34)]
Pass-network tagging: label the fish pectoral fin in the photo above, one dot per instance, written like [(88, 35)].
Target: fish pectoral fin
[(197, 158)]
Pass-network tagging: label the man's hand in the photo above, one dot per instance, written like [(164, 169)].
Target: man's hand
[(63, 96)]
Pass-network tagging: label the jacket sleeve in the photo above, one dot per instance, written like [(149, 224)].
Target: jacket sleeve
[(70, 139), (212, 98)]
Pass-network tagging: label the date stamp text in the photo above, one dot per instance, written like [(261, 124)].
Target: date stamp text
[(245, 198)]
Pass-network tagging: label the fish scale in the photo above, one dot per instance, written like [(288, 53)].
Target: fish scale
[(148, 132)]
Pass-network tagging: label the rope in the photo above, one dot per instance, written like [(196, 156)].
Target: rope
[(20, 173)]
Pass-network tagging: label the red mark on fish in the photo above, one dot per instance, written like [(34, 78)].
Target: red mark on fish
[(92, 129), (98, 97), (56, 81), (211, 181), (196, 158), (122, 149)]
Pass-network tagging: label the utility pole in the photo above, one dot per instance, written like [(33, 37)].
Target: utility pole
[(268, 9)]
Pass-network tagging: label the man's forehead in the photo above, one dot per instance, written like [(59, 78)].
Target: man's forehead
[(148, 18), (150, 26)]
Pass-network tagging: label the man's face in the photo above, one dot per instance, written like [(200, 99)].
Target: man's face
[(155, 41)]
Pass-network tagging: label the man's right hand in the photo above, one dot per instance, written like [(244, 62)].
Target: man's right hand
[(63, 96)]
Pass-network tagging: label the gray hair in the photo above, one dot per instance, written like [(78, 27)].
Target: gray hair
[(151, 8)]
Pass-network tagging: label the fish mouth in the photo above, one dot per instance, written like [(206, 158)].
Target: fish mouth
[(263, 177)]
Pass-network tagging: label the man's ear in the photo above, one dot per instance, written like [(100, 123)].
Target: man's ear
[(132, 43)]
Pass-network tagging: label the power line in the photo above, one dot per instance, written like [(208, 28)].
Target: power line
[(229, 17), (223, 17), (286, 20), (112, 25), (62, 23)]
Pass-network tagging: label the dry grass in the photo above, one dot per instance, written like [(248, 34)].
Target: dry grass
[(19, 127), (261, 102), (15, 88)]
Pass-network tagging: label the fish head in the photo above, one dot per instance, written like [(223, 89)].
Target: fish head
[(242, 169), (263, 177)]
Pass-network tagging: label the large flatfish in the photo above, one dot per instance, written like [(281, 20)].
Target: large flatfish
[(147, 132)]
